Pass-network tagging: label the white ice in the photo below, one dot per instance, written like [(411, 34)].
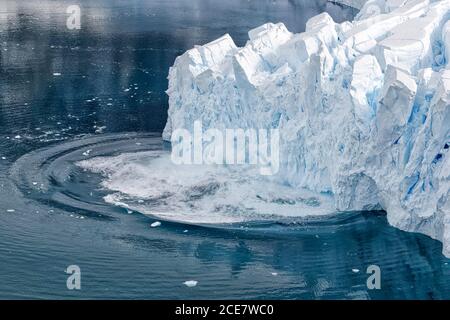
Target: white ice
[(362, 107)]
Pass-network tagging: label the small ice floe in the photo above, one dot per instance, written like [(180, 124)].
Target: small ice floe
[(129, 211), (17, 137), (56, 74), (126, 90), (274, 273), (185, 231), (355, 270), (190, 283), (121, 204), (87, 152), (109, 104), (99, 129), (34, 183), (10, 210), (3, 158), (155, 224)]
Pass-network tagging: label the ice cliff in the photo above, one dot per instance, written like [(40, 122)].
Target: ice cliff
[(363, 107)]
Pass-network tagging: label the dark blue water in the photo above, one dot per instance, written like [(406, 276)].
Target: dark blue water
[(112, 80)]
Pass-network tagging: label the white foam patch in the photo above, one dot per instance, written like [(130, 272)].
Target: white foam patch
[(150, 183)]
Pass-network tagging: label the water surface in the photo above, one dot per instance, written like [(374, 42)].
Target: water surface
[(63, 93)]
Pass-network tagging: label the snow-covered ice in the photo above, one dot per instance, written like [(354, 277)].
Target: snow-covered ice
[(363, 107)]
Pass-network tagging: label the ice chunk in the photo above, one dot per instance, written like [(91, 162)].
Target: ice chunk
[(363, 107), (190, 283), (319, 21)]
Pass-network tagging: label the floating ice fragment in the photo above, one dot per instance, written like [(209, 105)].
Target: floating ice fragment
[(10, 210), (190, 283), (99, 129), (355, 270), (155, 224), (56, 74)]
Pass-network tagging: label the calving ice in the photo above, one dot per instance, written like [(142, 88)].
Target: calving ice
[(362, 107), (227, 147)]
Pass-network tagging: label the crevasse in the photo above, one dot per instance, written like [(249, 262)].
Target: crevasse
[(363, 107)]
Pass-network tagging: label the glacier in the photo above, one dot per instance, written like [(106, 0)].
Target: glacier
[(363, 107)]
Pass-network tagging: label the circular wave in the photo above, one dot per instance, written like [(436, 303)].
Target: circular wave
[(50, 175), (103, 175)]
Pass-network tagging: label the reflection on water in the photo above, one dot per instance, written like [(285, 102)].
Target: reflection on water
[(113, 70), (122, 257)]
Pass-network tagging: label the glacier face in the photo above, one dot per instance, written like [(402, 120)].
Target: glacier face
[(363, 107)]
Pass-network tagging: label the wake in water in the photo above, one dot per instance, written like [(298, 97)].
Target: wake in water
[(150, 183)]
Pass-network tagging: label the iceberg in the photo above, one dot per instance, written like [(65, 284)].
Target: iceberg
[(363, 107)]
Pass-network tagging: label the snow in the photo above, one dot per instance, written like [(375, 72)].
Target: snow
[(362, 106)]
